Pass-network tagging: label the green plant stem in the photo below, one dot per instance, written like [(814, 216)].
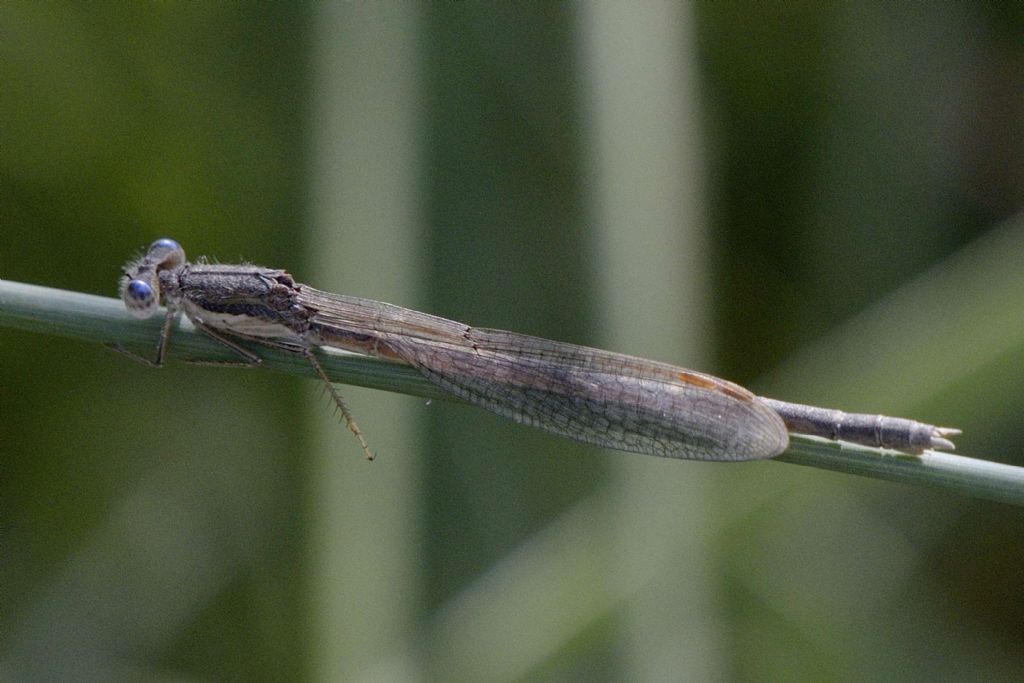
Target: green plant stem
[(101, 319), (963, 475)]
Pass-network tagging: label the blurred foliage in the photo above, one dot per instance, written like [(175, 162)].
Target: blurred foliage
[(157, 524)]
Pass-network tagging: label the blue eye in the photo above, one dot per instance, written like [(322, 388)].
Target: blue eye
[(165, 253), (165, 243), (140, 299), (139, 290)]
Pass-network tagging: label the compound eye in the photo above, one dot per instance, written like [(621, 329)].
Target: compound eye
[(140, 299), (165, 253)]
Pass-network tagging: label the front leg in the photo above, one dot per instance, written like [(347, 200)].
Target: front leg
[(161, 344)]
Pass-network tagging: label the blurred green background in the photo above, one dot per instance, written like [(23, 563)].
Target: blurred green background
[(819, 201)]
